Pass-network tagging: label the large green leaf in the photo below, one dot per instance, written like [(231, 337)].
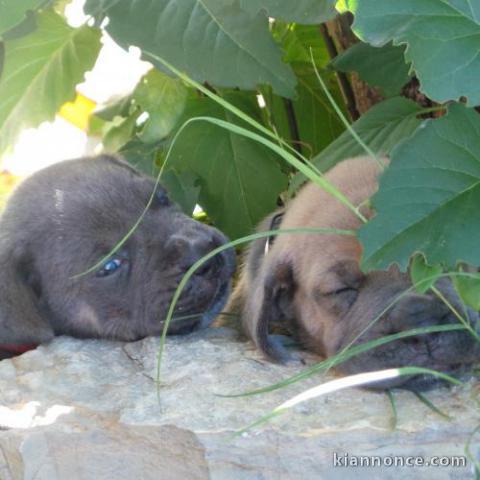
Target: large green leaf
[(182, 188), (381, 128), (40, 73), (310, 113), (13, 12), (239, 179), (211, 40), (443, 39), (318, 122), (118, 132), (141, 155), (163, 98), (299, 11), (298, 40), (382, 67), (429, 197)]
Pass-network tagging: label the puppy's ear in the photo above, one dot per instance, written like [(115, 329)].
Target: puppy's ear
[(270, 304), (21, 319), (252, 262)]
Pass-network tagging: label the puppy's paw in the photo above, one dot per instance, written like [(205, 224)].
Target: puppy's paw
[(280, 349)]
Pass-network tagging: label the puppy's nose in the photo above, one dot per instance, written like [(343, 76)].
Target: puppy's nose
[(204, 245), (186, 250), (211, 267)]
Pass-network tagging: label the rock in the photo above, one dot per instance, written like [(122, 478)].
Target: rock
[(82, 410)]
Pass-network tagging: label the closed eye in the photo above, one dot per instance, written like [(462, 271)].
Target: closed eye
[(339, 300), (341, 291)]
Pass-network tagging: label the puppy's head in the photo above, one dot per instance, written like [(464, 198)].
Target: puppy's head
[(313, 286), (64, 219)]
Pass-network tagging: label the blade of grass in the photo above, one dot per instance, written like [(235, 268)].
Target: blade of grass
[(234, 243), (319, 180), (393, 405), (360, 379), (462, 320), (340, 358), (231, 108), (430, 405), (349, 351), (473, 458), (426, 280), (340, 114)]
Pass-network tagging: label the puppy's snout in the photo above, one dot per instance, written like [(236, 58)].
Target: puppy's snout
[(188, 249), (211, 267), (414, 311)]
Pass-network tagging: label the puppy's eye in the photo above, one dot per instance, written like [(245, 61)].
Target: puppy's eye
[(339, 300), (345, 295), (111, 266), (161, 198), (343, 290)]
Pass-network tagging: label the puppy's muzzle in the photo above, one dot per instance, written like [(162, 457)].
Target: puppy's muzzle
[(189, 247), (207, 290), (452, 352)]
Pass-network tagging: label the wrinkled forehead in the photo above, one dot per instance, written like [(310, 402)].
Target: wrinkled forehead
[(329, 259), (102, 204), (95, 191)]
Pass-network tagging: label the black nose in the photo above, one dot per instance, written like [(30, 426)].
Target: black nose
[(204, 245), (211, 267), (186, 248)]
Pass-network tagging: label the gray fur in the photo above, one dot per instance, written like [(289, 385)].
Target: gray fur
[(64, 219)]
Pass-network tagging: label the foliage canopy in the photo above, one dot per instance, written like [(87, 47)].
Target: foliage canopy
[(250, 49)]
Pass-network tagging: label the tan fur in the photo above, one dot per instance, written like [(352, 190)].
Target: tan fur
[(313, 283)]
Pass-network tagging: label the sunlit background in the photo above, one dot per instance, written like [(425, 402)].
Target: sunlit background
[(115, 74)]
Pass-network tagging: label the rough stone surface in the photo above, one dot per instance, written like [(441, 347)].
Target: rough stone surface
[(81, 410)]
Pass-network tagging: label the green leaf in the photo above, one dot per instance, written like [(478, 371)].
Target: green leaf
[(297, 40), (317, 123), (182, 188), (442, 38), (314, 117), (423, 275), (429, 198), (382, 67), (469, 290), (40, 73), (381, 128), (299, 11), (119, 132), (13, 12), (119, 107), (211, 40), (2, 58), (163, 98), (141, 155), (239, 179)]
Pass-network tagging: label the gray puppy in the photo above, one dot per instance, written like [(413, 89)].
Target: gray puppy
[(64, 219), (312, 286)]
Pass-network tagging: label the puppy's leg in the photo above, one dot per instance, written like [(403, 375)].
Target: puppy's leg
[(22, 323)]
